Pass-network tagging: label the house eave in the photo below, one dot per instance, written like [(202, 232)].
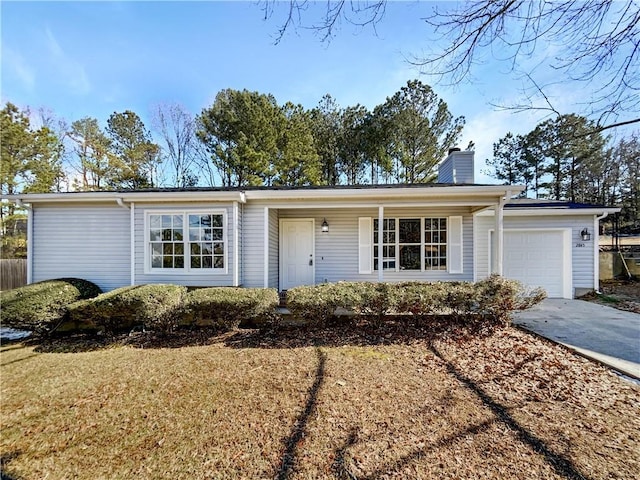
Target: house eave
[(439, 192), (101, 197), (485, 193)]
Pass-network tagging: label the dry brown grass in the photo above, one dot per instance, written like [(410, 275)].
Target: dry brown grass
[(315, 404)]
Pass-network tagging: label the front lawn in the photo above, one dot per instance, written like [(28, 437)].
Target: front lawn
[(314, 404)]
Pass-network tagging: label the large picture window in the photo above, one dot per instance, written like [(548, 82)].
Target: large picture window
[(411, 244), (186, 241)]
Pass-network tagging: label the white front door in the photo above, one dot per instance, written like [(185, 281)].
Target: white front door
[(297, 256)]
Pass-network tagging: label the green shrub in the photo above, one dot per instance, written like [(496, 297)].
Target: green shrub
[(475, 305), (315, 304), (421, 299), (157, 307), (39, 307), (227, 307), (498, 297), (375, 300)]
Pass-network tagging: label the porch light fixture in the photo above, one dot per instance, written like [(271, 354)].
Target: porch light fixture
[(325, 226), (586, 236)]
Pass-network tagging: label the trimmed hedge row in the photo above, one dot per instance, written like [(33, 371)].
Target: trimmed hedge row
[(227, 307), (162, 307), (489, 301), (44, 306), (41, 306), (154, 306)]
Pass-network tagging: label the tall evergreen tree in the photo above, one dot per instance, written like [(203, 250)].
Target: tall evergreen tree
[(240, 132), (352, 144), (326, 120), (30, 159), (509, 162), (568, 144), (297, 162), (420, 131), (136, 156), (94, 163)]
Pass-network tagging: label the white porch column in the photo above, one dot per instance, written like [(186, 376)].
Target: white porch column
[(380, 236), (498, 247), (266, 248)]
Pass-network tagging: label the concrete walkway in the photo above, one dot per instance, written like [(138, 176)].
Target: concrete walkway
[(605, 334)]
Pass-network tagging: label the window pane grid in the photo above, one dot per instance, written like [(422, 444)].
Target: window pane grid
[(203, 241), (388, 244), (206, 241), (435, 243), (411, 244), (166, 237)]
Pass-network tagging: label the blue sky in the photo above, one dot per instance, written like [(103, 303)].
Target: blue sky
[(94, 58)]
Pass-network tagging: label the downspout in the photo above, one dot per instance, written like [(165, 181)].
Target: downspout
[(29, 210), (236, 253), (121, 203), (380, 247), (265, 252), (132, 236), (596, 250)]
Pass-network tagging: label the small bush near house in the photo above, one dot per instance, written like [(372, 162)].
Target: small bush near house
[(498, 297), (476, 305), (227, 307), (374, 300), (39, 307), (316, 304), (157, 307)]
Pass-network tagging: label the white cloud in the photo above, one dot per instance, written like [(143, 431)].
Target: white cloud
[(71, 72), (15, 64)]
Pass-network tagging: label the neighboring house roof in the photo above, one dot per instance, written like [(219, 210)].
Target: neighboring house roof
[(522, 203), (536, 206)]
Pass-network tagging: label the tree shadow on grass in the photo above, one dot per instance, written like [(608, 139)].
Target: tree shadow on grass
[(560, 464), (288, 459), (5, 459), (341, 468)]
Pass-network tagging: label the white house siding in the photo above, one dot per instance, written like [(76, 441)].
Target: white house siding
[(253, 245), (337, 251), (83, 241), (582, 258), (210, 279)]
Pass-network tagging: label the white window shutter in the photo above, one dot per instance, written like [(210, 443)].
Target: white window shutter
[(365, 248), (454, 260)]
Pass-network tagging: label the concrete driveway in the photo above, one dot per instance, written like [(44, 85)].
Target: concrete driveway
[(603, 333)]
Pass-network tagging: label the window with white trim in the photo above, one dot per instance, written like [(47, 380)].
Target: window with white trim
[(435, 243), (411, 244), (186, 241)]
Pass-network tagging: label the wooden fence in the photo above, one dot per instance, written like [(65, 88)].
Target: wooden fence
[(13, 273)]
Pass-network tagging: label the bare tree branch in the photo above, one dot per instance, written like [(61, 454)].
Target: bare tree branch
[(596, 42)]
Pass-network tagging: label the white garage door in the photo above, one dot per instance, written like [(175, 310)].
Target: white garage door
[(539, 259)]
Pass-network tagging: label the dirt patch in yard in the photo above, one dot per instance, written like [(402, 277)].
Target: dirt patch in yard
[(347, 403), (620, 294)]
